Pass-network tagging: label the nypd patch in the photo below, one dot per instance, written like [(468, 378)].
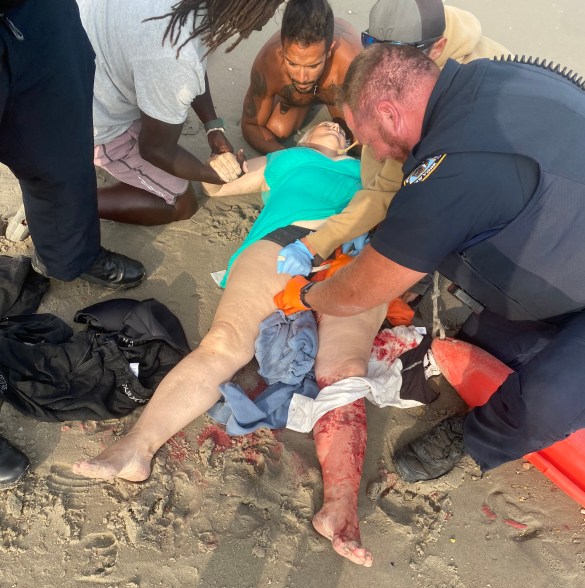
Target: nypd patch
[(424, 170)]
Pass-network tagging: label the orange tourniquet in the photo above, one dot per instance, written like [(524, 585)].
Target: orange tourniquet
[(399, 313)]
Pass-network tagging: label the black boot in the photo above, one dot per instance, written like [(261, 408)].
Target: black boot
[(13, 464), (114, 270), (111, 270), (434, 454)]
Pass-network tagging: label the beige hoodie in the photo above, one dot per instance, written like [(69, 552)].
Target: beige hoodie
[(383, 179)]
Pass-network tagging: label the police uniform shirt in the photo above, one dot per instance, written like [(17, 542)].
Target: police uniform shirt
[(451, 201)]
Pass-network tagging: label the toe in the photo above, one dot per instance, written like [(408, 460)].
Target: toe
[(353, 551)]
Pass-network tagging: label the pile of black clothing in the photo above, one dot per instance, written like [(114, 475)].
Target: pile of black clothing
[(104, 372)]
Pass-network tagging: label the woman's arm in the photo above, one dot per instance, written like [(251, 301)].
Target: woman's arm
[(251, 181)]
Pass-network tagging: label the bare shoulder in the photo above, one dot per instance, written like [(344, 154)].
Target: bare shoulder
[(346, 45), (347, 37), (267, 63)]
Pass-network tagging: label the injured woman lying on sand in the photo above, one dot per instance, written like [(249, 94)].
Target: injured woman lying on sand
[(304, 186)]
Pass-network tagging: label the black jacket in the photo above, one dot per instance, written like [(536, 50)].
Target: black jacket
[(105, 372)]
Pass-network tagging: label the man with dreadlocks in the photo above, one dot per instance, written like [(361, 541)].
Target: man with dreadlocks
[(150, 69), (302, 65)]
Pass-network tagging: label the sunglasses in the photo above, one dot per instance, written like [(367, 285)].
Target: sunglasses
[(368, 40)]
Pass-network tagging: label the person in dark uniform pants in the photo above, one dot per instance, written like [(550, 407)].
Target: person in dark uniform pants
[(493, 197), (46, 139)]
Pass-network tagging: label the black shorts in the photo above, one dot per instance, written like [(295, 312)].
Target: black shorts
[(287, 235)]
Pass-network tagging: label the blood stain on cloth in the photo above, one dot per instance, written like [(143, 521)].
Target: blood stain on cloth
[(388, 345)]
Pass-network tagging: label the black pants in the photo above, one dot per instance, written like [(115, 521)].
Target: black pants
[(542, 402), (46, 131)]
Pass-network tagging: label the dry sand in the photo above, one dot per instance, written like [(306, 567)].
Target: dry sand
[(237, 513)]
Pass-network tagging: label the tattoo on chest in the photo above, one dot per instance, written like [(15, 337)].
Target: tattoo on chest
[(292, 98), (331, 93), (322, 95)]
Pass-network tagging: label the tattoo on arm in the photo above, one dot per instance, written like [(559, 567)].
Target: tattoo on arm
[(250, 110), (258, 84)]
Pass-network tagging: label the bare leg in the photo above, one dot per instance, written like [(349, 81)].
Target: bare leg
[(128, 204), (340, 435), (191, 387)]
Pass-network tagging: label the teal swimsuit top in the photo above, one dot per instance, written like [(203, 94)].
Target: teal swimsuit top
[(304, 185)]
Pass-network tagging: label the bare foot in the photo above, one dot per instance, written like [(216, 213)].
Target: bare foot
[(121, 460), (337, 521)]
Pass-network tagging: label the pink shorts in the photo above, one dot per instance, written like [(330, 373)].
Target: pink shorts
[(121, 158)]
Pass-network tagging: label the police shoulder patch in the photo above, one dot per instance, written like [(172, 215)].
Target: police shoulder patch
[(422, 171)]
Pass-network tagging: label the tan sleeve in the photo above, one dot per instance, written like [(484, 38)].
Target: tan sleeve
[(486, 47), (367, 208)]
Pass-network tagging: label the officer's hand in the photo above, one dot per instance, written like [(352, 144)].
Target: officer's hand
[(354, 246), (219, 143), (294, 259), (226, 166), (289, 300)]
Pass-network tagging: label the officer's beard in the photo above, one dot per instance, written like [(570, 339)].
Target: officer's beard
[(399, 149)]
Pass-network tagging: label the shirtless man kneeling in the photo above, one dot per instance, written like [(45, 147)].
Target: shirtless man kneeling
[(301, 66)]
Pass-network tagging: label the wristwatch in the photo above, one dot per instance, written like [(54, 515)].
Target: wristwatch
[(303, 292), (216, 124)]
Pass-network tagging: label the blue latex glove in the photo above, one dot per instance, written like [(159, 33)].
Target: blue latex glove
[(354, 246), (294, 259)]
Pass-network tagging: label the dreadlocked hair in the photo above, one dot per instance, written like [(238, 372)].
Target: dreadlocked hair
[(221, 19)]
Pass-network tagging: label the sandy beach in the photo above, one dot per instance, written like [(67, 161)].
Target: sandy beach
[(236, 512)]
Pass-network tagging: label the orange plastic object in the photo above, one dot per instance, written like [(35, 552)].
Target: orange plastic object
[(476, 375), (399, 313)]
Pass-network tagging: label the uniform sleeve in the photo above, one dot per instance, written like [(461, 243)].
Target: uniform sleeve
[(166, 87), (467, 196), (367, 208)]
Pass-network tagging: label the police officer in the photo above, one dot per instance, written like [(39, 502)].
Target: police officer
[(46, 139), (493, 197)]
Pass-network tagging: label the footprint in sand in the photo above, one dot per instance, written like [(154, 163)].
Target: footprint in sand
[(174, 576), (225, 222), (419, 512), (61, 480), (98, 556), (518, 518)]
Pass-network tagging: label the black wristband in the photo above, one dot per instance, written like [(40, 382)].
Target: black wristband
[(303, 293), (216, 123)]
